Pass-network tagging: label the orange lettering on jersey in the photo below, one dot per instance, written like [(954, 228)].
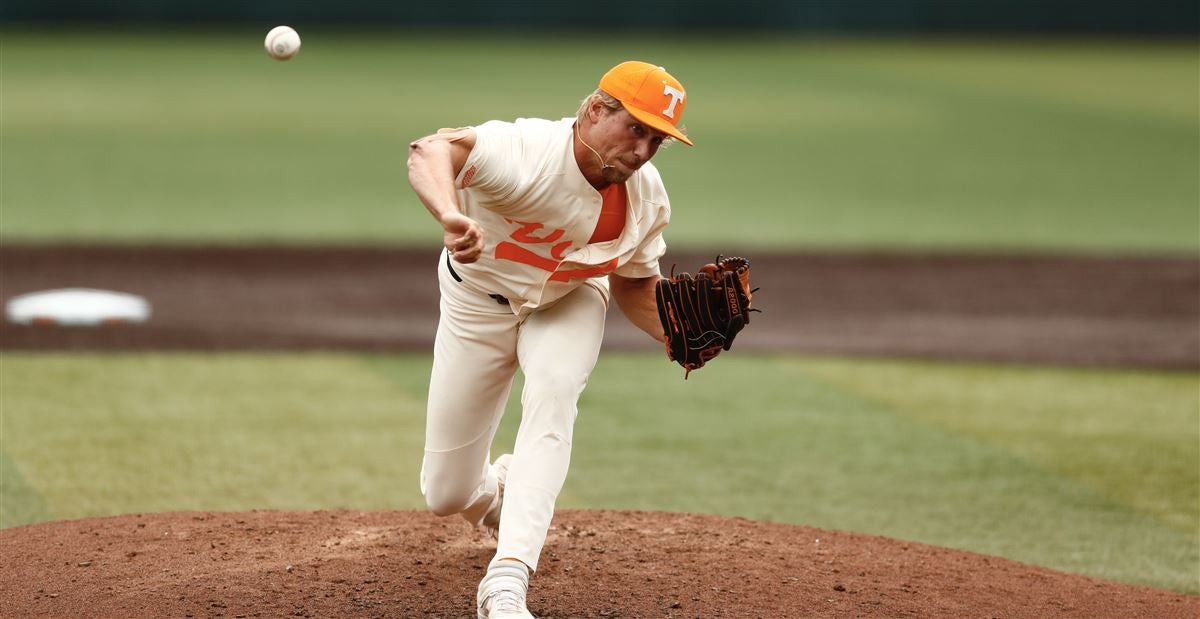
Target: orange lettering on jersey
[(586, 272), (524, 234), (516, 253), (468, 176)]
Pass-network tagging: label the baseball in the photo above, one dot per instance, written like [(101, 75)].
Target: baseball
[(282, 42)]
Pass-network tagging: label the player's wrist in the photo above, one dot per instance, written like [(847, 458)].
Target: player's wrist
[(447, 216)]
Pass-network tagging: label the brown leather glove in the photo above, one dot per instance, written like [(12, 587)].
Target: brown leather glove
[(702, 314)]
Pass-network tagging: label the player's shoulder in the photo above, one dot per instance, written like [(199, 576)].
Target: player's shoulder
[(528, 128), (648, 187), (542, 125), (650, 183), (528, 137), (649, 173)]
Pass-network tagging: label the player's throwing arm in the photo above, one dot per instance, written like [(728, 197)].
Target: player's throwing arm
[(433, 163)]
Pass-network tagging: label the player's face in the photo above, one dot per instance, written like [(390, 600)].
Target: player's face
[(625, 143)]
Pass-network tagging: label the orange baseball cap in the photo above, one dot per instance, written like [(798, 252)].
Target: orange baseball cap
[(649, 94)]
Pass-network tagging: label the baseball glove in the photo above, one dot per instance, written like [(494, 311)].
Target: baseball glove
[(702, 314)]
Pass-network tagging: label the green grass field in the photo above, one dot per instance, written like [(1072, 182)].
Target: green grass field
[(956, 146), (972, 146), (1091, 471)]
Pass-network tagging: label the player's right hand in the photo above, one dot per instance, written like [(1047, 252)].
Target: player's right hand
[(463, 237)]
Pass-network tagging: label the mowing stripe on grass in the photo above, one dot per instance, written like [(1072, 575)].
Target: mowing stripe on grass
[(102, 434), (20, 503), (1121, 433)]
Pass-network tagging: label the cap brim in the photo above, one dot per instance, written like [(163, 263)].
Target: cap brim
[(655, 122)]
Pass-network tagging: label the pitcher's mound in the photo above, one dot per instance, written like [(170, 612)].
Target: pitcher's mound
[(595, 564)]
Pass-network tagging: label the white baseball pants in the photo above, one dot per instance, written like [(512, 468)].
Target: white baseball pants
[(479, 346)]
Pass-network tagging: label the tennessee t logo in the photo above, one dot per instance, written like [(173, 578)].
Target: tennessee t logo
[(676, 98)]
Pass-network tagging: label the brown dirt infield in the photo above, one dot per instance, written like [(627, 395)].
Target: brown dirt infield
[(1076, 311), (1058, 310), (595, 564)]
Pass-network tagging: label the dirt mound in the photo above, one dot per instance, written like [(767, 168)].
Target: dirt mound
[(595, 564)]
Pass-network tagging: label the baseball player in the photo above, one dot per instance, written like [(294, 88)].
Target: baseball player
[(544, 221)]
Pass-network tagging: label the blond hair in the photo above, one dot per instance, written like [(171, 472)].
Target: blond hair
[(609, 102)]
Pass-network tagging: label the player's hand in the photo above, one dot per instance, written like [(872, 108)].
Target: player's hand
[(463, 237)]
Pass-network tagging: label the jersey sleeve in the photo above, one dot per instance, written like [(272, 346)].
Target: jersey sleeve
[(644, 262), (654, 213), (492, 168)]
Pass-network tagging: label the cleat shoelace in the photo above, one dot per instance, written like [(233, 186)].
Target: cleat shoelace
[(507, 601)]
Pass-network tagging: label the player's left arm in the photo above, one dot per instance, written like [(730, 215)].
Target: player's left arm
[(635, 297)]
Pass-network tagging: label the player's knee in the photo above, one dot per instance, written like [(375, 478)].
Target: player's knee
[(445, 503)]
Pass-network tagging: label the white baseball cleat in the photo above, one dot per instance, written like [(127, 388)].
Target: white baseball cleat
[(502, 592), (491, 520)]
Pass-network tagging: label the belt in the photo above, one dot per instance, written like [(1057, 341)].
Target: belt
[(501, 299)]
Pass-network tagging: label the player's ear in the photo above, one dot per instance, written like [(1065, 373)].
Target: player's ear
[(596, 109)]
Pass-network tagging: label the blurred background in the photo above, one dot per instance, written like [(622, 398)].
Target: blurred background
[(1045, 126), (1013, 149)]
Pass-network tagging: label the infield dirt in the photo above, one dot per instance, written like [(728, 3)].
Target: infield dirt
[(595, 564), (1058, 310)]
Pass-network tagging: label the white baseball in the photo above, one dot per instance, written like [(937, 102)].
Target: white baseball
[(282, 42)]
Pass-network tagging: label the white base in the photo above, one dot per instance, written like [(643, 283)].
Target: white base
[(77, 307)]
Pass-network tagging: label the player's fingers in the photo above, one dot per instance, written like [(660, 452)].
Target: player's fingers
[(467, 256), (470, 235), (463, 241), (468, 249), (457, 225)]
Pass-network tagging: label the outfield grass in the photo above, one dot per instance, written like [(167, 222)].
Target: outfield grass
[(968, 145), (1090, 471)]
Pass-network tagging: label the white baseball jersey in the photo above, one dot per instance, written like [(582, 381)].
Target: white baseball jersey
[(522, 184)]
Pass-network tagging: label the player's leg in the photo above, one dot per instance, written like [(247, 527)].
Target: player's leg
[(474, 361), (557, 348)]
